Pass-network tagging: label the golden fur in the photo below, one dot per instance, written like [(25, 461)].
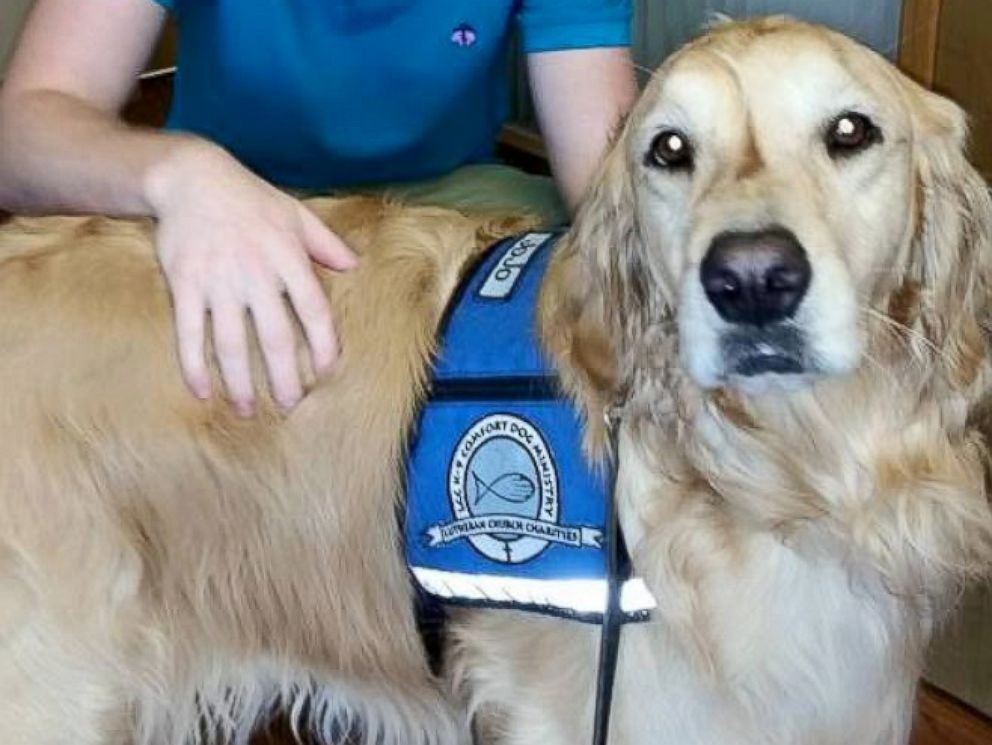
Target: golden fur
[(170, 572), (161, 559)]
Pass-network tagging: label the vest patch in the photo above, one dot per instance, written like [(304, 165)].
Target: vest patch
[(503, 490)]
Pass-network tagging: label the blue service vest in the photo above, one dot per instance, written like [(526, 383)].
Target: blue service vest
[(503, 509)]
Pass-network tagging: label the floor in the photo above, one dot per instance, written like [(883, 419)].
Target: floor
[(943, 720)]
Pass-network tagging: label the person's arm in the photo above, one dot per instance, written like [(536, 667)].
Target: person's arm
[(61, 147), (580, 96), (228, 242)]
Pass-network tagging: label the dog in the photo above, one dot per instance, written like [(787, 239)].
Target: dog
[(781, 276), (779, 281)]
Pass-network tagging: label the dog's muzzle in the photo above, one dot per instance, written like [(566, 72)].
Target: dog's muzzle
[(755, 281), (779, 349)]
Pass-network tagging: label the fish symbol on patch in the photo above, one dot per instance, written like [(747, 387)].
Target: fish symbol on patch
[(510, 487)]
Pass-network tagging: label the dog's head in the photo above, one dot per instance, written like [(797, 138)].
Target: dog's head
[(780, 195)]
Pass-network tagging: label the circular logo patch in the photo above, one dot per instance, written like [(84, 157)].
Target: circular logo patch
[(503, 488)]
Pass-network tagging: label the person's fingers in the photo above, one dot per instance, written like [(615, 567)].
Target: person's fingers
[(275, 336), (190, 310), (242, 243), (231, 350), (324, 246), (314, 311)]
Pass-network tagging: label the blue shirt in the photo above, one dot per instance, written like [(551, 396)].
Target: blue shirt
[(323, 93)]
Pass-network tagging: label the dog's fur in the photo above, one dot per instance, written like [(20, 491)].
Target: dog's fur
[(163, 560), (171, 572)]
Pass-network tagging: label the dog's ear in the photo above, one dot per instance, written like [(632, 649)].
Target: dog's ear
[(941, 533), (600, 306), (951, 257)]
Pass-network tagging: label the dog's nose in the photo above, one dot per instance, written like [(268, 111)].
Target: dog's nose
[(756, 278)]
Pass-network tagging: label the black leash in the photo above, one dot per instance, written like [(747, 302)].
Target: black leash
[(609, 640)]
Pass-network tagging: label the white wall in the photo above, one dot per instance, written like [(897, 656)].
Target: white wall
[(12, 13)]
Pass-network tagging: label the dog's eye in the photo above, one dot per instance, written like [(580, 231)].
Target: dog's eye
[(670, 149), (850, 133)]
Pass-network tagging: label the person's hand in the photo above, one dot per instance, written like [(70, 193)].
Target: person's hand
[(231, 244)]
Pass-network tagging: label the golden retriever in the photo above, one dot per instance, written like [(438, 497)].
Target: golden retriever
[(785, 262), (780, 281)]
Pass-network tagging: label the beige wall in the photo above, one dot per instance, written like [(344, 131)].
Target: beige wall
[(961, 657), (12, 14)]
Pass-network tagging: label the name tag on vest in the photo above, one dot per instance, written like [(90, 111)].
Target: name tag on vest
[(502, 278)]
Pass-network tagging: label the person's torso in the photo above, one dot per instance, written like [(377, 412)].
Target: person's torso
[(356, 91)]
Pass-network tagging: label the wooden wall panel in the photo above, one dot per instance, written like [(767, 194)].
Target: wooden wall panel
[(963, 68), (164, 55), (918, 39)]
